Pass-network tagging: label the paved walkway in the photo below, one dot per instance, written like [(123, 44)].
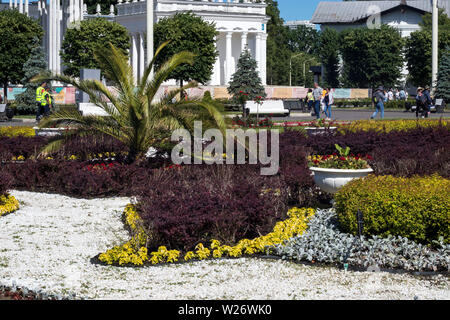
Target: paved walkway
[(350, 115), (337, 114)]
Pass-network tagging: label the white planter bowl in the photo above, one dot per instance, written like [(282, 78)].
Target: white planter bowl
[(331, 180)]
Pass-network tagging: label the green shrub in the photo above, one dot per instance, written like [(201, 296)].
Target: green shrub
[(417, 208)]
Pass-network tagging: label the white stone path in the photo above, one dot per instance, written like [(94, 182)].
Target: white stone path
[(48, 243)]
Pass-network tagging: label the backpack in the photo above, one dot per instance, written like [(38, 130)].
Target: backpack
[(376, 97)]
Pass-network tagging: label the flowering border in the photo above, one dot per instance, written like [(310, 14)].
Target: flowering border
[(135, 253), (8, 204)]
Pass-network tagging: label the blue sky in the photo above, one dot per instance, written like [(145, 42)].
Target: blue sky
[(298, 9)]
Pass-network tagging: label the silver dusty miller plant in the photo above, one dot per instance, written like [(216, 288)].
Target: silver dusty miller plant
[(324, 242)]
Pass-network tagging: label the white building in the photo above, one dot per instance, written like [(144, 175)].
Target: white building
[(241, 23), (295, 23), (405, 15)]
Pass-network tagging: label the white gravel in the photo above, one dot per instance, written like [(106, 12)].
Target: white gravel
[(49, 242)]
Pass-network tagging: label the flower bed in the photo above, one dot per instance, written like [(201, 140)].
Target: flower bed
[(417, 208), (135, 252), (16, 131), (393, 125), (8, 204), (324, 242)]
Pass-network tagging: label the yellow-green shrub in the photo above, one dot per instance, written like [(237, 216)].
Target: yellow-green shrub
[(393, 125), (17, 131), (134, 252), (417, 208), (8, 204)]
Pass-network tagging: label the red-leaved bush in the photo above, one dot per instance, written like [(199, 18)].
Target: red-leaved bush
[(6, 180), (181, 208)]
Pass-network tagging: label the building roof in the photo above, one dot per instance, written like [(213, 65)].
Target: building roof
[(353, 11)]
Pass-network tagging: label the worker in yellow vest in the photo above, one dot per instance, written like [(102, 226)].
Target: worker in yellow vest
[(43, 101), (40, 100)]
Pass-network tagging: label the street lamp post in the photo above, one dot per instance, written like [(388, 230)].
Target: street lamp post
[(435, 35), (290, 67), (304, 70), (150, 22), (304, 66)]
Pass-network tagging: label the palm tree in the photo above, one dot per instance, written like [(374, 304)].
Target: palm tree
[(135, 115)]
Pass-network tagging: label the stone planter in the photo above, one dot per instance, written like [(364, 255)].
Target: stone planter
[(318, 130), (48, 131), (331, 180)]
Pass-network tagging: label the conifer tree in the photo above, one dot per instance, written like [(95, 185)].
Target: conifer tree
[(246, 79), (443, 79), (36, 64)]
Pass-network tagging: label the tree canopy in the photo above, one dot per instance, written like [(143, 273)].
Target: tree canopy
[(17, 33), (371, 57), (186, 31), (80, 43)]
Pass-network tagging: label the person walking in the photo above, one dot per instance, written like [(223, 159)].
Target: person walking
[(379, 98), (428, 102), (328, 100), (317, 93), (310, 99), (421, 103)]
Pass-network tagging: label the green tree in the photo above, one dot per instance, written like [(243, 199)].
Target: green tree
[(135, 116), (17, 32), (443, 21), (189, 32), (372, 57), (278, 53), (443, 79), (80, 43), (329, 44), (418, 49), (246, 79), (36, 64), (303, 39)]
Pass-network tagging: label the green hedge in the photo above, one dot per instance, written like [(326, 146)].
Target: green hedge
[(367, 103), (417, 208)]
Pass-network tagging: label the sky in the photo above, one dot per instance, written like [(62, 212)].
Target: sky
[(298, 9)]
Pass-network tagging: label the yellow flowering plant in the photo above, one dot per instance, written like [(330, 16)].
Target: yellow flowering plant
[(8, 204), (134, 252)]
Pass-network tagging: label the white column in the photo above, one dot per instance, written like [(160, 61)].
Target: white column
[(26, 7), (215, 78), (51, 28), (141, 55), (83, 8), (134, 55), (264, 59), (258, 51), (71, 9), (244, 40), (76, 10), (58, 36), (10, 4), (15, 3), (435, 45), (228, 58), (21, 6)]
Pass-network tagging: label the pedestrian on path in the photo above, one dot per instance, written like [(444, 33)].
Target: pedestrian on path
[(328, 100), (317, 93), (378, 99)]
